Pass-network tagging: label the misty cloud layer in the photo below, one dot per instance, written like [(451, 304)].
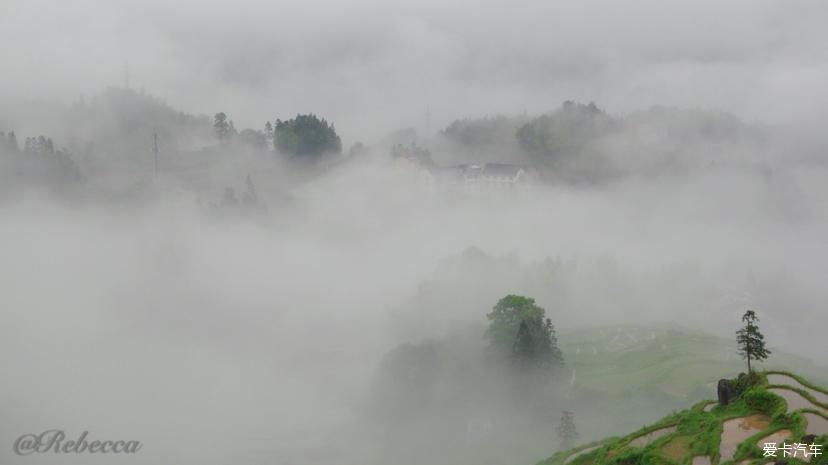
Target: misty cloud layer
[(375, 66), (136, 304), (216, 341)]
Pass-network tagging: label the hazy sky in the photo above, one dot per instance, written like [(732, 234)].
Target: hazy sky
[(373, 66), (255, 341)]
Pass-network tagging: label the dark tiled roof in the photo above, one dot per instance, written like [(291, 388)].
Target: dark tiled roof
[(463, 172), (502, 170)]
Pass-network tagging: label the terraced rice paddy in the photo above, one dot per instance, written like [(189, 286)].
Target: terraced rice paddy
[(736, 430), (817, 425), (579, 453), (775, 438), (677, 448), (794, 400), (645, 439), (787, 380)]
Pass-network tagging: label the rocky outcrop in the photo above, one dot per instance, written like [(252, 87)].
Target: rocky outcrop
[(726, 391), (729, 389)]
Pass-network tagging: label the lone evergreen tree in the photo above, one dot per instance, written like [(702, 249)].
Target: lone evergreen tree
[(269, 133), (567, 433), (523, 350), (13, 142), (751, 342), (547, 344), (221, 126)]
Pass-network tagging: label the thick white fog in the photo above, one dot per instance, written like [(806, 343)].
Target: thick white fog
[(373, 66), (226, 341), (150, 304)]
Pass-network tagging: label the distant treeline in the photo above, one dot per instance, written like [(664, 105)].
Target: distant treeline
[(576, 142), (583, 141)]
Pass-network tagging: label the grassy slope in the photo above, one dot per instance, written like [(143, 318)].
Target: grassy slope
[(698, 433), (616, 359)]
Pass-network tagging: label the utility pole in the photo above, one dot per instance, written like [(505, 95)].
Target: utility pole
[(252, 190), (155, 150), (428, 122)]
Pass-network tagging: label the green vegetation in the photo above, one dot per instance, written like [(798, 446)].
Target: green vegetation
[(803, 382), (485, 137), (698, 432), (412, 152), (306, 135), (751, 341), (581, 142), (223, 128), (565, 133), (682, 364), (43, 161), (519, 327)]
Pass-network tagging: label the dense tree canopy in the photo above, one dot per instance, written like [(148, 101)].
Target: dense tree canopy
[(253, 138), (306, 135), (484, 133), (564, 133), (224, 128), (38, 161), (8, 142), (413, 152), (121, 122), (519, 327)]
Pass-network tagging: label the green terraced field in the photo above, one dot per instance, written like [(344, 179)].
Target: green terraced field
[(615, 359), (780, 407)]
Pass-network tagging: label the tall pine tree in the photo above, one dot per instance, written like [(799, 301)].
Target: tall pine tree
[(751, 342), (523, 350)]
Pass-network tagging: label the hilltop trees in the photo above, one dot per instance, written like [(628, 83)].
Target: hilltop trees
[(9, 142), (120, 123), (39, 144), (223, 128), (565, 133), (519, 330), (268, 130), (751, 341), (480, 137), (413, 152), (39, 161), (253, 138), (306, 135), (483, 132)]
